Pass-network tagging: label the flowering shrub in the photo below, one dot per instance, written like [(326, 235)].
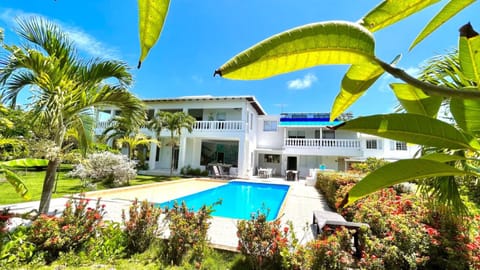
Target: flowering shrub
[(453, 245), (188, 230), (77, 224), (141, 225), (261, 241), (294, 255), (370, 165), (4, 220), (110, 243), (474, 246), (17, 249), (397, 234), (109, 168), (333, 250), (330, 183)]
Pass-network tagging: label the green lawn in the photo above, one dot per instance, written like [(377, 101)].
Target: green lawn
[(65, 185)]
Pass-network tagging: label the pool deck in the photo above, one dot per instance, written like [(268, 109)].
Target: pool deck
[(298, 207)]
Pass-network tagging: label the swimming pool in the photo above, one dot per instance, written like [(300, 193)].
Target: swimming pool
[(239, 199)]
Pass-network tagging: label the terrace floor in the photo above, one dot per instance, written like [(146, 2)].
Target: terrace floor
[(298, 207)]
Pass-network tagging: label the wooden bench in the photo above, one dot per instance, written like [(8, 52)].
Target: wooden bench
[(333, 220)]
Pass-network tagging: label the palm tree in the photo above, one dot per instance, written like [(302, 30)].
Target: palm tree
[(133, 141), (121, 126), (65, 87), (4, 121), (175, 122)]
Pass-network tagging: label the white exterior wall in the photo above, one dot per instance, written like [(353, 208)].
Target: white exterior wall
[(269, 139), (254, 142), (343, 134), (384, 149), (249, 143)]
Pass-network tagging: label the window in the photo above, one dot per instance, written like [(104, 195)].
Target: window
[(328, 134), (269, 125), (372, 144), (221, 116), (271, 159), (298, 134), (398, 146)]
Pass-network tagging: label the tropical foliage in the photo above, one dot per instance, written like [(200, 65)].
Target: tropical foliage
[(14, 179), (174, 122), (341, 42), (132, 142), (406, 231), (65, 87)]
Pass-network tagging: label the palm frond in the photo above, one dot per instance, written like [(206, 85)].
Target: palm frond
[(97, 71), (48, 37)]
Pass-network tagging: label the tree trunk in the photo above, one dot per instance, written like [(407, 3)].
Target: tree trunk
[(48, 184), (172, 160)]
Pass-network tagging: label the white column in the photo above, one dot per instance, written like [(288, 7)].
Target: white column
[(153, 154), (182, 151), (242, 160)]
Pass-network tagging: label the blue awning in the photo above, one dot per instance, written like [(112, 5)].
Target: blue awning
[(307, 122)]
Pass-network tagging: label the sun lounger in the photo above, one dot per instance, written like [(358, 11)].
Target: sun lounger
[(333, 220)]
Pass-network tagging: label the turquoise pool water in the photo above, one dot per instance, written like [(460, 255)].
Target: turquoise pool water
[(239, 199)]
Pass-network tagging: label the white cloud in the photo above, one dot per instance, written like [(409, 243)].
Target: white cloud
[(89, 44), (303, 83), (83, 41)]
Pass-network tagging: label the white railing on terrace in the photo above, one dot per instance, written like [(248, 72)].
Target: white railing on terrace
[(103, 124), (201, 125), (323, 143), (219, 126)]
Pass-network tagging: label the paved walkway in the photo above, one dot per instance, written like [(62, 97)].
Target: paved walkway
[(299, 205)]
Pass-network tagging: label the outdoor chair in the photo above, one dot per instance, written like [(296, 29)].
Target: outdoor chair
[(219, 173)]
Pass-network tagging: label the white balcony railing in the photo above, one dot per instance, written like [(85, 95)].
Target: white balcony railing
[(322, 143), (103, 124), (209, 126), (201, 125)]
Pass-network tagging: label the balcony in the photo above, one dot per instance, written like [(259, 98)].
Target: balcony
[(340, 147), (199, 126), (215, 126)]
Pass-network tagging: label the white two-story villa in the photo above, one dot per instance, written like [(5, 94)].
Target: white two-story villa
[(236, 133)]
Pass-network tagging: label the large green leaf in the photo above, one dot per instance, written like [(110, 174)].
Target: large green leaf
[(355, 83), (447, 12), (414, 100), (412, 128), (26, 163), (151, 17), (466, 113), (303, 47), (469, 53), (439, 157), (16, 182), (399, 172), (391, 11)]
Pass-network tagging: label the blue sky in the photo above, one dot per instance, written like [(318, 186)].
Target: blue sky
[(199, 36)]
